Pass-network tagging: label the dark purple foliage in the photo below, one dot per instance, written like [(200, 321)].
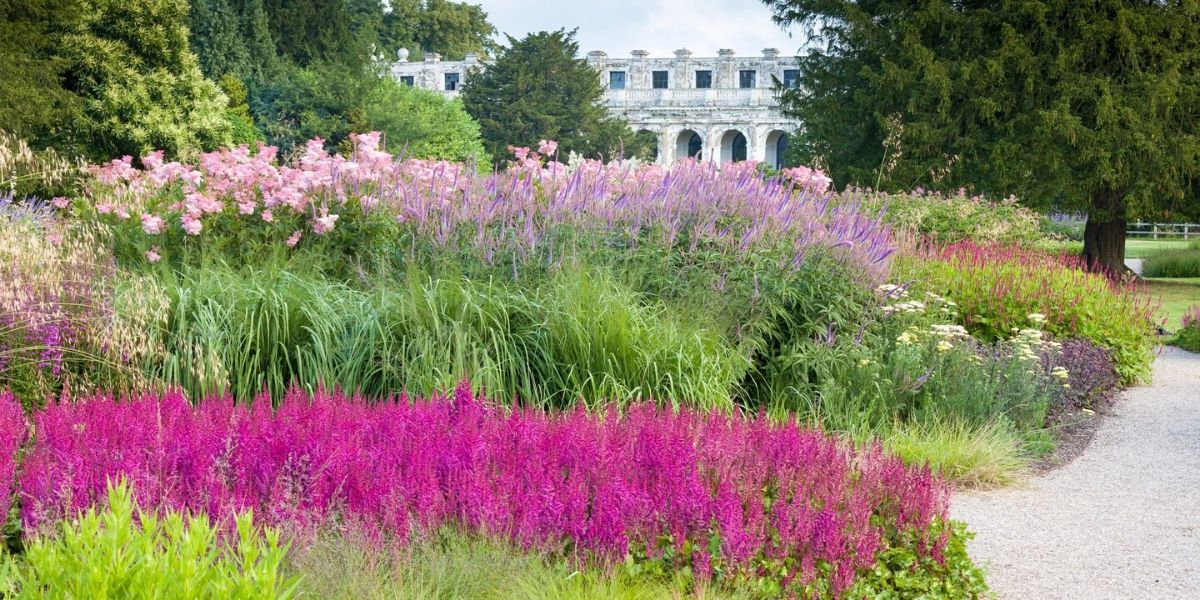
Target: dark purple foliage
[(1093, 378)]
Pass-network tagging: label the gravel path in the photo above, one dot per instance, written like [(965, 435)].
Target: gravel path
[(1120, 521)]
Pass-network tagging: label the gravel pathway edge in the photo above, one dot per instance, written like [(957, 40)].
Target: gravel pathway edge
[(1120, 521)]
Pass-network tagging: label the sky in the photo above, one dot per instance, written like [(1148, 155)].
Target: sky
[(658, 26)]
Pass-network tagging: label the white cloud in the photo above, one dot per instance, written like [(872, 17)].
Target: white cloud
[(659, 26)]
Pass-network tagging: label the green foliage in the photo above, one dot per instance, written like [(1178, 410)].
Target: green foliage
[(122, 552), (998, 294), (1187, 338), (912, 366), (238, 113), (324, 100), (901, 573), (1078, 105), (968, 455), (449, 564), (423, 124), (945, 218), (538, 90), (1173, 263), (570, 337), (451, 29), (140, 85), (33, 101)]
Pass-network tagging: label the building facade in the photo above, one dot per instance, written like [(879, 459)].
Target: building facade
[(721, 108)]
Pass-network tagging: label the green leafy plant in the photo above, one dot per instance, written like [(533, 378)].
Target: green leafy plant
[(1173, 263), (122, 552), (901, 573)]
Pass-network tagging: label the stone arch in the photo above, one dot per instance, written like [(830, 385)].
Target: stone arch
[(735, 146), (777, 143), (689, 144)]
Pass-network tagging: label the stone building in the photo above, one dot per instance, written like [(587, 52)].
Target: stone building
[(721, 108)]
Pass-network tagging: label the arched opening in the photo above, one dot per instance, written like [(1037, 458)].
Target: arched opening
[(689, 144), (777, 143), (733, 146)]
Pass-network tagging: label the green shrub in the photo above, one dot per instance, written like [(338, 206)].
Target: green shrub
[(1172, 263), (901, 573), (1188, 336), (121, 552), (947, 218), (999, 289), (911, 365)]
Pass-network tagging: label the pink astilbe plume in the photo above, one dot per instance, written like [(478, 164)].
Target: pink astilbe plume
[(591, 485), (12, 435)]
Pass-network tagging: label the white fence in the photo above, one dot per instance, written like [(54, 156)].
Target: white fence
[(1182, 231)]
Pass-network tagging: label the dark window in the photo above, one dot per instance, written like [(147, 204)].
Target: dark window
[(616, 80), (695, 145), (703, 79), (746, 78), (790, 76), (451, 82), (659, 80), (406, 80)]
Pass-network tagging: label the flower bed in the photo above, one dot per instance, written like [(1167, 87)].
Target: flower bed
[(999, 288), (731, 498)]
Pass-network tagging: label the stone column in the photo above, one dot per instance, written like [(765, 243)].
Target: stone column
[(682, 68), (726, 75), (639, 75), (666, 146), (712, 143)]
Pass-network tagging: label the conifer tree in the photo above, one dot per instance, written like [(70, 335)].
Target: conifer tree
[(1089, 106)]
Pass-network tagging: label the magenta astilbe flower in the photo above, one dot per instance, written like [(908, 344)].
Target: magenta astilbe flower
[(12, 435), (590, 485)]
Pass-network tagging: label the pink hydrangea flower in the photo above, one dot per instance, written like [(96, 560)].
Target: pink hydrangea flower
[(294, 239)]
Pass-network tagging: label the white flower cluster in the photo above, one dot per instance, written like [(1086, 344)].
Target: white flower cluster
[(906, 307)]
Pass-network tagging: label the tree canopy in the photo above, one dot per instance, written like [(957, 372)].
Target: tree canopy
[(537, 89), (106, 78), (1077, 106)]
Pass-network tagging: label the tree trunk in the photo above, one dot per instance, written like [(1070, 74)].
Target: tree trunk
[(1104, 234)]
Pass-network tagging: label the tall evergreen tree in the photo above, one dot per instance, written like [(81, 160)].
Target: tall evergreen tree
[(537, 90), (218, 40), (140, 86), (1078, 105), (32, 97)]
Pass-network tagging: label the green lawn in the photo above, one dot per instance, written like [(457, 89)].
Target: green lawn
[(1140, 248), (1176, 295)]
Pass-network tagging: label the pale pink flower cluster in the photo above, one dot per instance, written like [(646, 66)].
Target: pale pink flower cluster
[(812, 180)]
